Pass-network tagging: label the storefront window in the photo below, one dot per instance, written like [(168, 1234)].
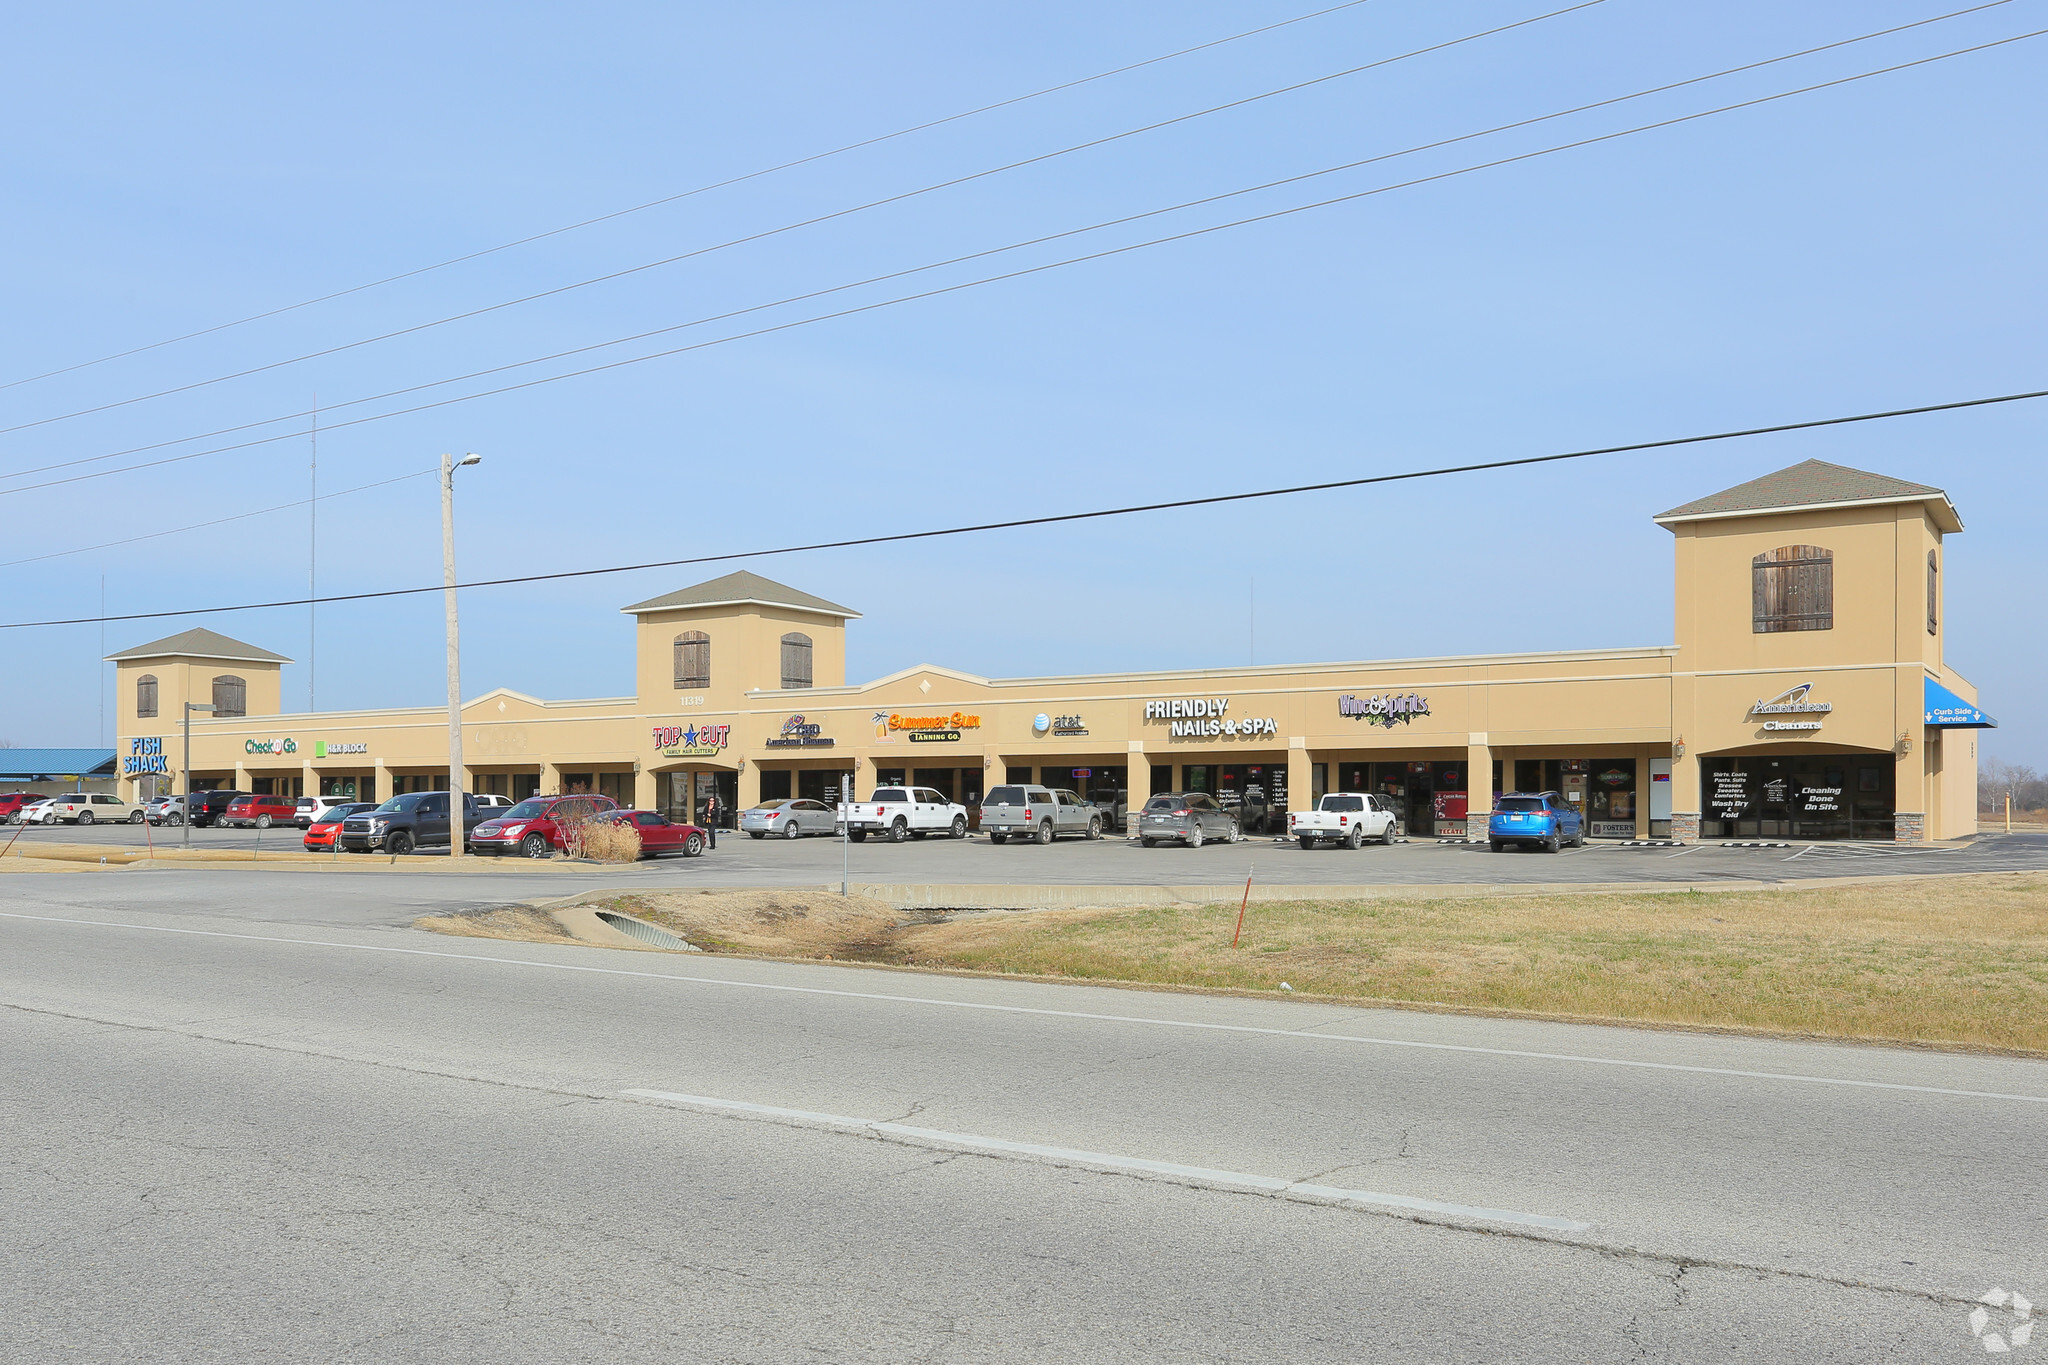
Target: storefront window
[(1611, 799), (1198, 777), (1807, 796)]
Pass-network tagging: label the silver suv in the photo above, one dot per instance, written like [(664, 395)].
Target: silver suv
[(1040, 814), (1191, 818)]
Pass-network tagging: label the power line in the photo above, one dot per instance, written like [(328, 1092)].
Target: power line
[(802, 223), (1058, 518), (1009, 275), (219, 521), (701, 189)]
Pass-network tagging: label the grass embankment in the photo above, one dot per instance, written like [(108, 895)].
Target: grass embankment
[(1949, 961)]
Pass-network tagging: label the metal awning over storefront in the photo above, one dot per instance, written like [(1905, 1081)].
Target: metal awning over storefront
[(1950, 712)]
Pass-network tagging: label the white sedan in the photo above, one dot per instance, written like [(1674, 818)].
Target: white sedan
[(36, 812)]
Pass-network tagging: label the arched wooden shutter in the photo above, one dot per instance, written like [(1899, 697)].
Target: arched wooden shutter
[(796, 660), (230, 696), (1792, 588), (693, 659)]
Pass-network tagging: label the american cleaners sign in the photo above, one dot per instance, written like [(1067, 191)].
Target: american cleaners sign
[(1792, 702), (1206, 718), (691, 741), (932, 729), (145, 756)]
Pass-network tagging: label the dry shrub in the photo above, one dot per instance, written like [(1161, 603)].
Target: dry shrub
[(604, 841)]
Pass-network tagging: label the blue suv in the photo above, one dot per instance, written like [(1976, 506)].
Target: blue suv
[(1543, 819)]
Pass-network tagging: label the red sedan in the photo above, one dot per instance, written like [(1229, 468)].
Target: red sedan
[(321, 834), (659, 834)]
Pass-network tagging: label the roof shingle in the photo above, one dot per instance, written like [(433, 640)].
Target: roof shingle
[(201, 643), (741, 587), (1806, 484)]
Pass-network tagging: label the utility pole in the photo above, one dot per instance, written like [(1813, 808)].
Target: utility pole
[(185, 820), (312, 568), (458, 833)]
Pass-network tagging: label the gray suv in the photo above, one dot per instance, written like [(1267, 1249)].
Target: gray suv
[(1040, 814), (1190, 818)]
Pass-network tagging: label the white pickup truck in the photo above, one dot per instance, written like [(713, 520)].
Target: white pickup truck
[(899, 813), (1347, 818)]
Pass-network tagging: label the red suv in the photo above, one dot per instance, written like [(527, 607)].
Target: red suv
[(538, 825), (12, 802), (261, 811)]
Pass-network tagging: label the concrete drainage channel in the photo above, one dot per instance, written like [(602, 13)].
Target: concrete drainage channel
[(651, 935)]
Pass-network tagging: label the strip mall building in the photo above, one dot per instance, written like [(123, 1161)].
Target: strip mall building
[(1807, 696)]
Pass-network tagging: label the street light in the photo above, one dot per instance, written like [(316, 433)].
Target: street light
[(458, 836), (185, 820)]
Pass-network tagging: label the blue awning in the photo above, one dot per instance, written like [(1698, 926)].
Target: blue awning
[(1946, 709)]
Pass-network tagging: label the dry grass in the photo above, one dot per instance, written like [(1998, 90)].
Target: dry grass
[(783, 922), (506, 921), (1947, 961), (604, 841)]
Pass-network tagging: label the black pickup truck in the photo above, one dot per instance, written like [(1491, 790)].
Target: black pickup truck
[(411, 821)]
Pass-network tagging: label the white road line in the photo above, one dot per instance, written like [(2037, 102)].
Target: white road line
[(1304, 1033), (1299, 1191)]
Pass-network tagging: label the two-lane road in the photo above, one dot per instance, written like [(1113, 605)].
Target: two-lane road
[(227, 1139)]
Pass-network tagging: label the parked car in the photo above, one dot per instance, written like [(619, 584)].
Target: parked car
[(260, 812), (905, 813), (1191, 818), (12, 802), (659, 834), (313, 809), (1537, 819), (88, 808), (325, 831), (165, 810), (1347, 818), (491, 801), (411, 821), (204, 808), (789, 819), (1040, 814), (35, 811), (536, 826)]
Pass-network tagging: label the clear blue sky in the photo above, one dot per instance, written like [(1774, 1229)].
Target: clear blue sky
[(1868, 246)]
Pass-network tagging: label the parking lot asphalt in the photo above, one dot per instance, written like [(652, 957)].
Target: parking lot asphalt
[(740, 861)]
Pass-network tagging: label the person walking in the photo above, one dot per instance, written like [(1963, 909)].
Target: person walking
[(711, 818)]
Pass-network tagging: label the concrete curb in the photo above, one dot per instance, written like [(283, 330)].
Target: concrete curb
[(1024, 896)]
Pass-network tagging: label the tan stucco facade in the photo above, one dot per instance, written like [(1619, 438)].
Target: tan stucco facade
[(1643, 736)]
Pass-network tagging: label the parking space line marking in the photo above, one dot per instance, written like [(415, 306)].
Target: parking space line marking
[(1298, 1191), (1472, 1049)]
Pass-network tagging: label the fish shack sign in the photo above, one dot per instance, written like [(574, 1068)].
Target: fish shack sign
[(1206, 718)]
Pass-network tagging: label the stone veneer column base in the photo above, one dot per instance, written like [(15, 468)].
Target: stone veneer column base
[(1685, 826), (1909, 827)]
